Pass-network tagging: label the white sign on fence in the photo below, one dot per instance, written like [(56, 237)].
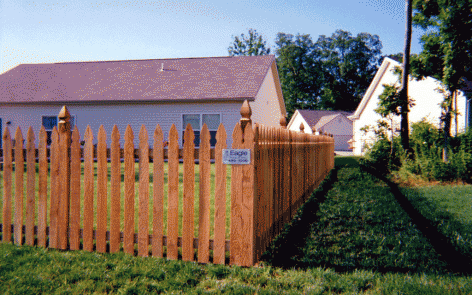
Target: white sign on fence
[(236, 156)]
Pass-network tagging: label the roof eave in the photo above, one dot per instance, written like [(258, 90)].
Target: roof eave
[(196, 100)]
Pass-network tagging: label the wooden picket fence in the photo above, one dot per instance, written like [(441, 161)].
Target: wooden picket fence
[(284, 169)]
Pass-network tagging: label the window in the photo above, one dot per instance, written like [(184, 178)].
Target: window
[(50, 121), (197, 121)]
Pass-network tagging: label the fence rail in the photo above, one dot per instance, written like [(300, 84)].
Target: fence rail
[(285, 166)]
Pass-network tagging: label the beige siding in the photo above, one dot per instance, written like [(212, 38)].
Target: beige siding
[(266, 108), (121, 114)]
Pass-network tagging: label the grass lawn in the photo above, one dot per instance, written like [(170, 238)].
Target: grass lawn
[(351, 237), (196, 205), (449, 208)]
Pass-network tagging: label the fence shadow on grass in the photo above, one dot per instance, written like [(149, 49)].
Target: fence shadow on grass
[(287, 247), (456, 261)]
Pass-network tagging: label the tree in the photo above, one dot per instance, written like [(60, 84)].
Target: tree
[(447, 49), (403, 95), (300, 71), (348, 65), (248, 45)]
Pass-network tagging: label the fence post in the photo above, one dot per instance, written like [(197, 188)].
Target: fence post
[(243, 195), (283, 122), (64, 176)]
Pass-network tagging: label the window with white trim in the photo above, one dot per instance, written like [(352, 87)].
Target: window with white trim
[(196, 121), (50, 121)]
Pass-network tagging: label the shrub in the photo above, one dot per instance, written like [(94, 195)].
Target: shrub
[(384, 155), (426, 144)]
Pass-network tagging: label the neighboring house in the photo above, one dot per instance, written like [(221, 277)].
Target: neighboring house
[(332, 122), (427, 101), (135, 92)]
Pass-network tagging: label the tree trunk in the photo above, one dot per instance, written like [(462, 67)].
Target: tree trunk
[(404, 132), (448, 125)]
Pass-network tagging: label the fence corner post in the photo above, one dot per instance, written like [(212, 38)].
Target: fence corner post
[(64, 176), (243, 198)]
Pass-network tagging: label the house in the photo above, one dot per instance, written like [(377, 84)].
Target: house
[(135, 92), (332, 122), (427, 99)]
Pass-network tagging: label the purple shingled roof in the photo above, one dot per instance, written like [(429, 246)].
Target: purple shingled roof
[(314, 117), (182, 79)]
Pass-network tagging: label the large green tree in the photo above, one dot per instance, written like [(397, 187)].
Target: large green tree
[(300, 71), (348, 65), (252, 44), (447, 49)]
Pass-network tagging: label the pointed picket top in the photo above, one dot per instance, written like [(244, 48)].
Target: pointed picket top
[(205, 136), (158, 135), (102, 135), (75, 137), (221, 135), (129, 133), (115, 134), (173, 135), (237, 136), (248, 136), (88, 137), (18, 137), (189, 136), (30, 138), (6, 135), (143, 136), (255, 130)]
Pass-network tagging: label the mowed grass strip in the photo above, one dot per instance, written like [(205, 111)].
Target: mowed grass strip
[(361, 225), (151, 173), (358, 224), (33, 270)]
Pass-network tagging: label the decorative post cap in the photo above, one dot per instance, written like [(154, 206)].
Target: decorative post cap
[(313, 129), (283, 122), (302, 127), (64, 114), (246, 113)]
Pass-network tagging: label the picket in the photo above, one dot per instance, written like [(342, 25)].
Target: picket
[(7, 185), (204, 197), (30, 193), (75, 190), (115, 191), (173, 195), (220, 198), (102, 169), (42, 188), (19, 171), (143, 194), (236, 202), (188, 195), (158, 194), (88, 190), (285, 166), (128, 243)]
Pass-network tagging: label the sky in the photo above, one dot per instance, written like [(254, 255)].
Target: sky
[(84, 30)]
